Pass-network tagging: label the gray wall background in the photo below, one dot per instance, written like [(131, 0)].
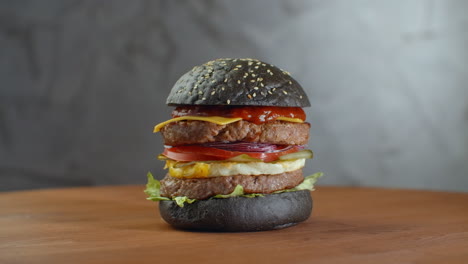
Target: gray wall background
[(82, 83)]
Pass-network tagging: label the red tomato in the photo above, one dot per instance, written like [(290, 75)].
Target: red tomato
[(200, 153)]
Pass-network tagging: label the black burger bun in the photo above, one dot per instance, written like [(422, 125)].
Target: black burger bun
[(240, 214), (237, 82)]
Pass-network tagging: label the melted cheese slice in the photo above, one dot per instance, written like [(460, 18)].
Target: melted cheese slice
[(213, 119), (217, 120)]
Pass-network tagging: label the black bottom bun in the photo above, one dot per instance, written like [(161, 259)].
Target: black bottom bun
[(240, 214)]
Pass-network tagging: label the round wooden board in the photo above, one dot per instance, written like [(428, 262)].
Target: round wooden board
[(348, 225)]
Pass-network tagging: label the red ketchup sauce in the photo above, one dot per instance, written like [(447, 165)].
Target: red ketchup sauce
[(254, 114)]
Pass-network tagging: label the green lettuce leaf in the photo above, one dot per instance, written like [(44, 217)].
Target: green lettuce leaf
[(154, 194), (153, 189), (307, 184), (181, 200), (238, 191)]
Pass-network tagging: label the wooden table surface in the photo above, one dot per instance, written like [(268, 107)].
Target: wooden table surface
[(348, 225)]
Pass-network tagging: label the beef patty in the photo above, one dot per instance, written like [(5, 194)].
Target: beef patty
[(198, 132), (204, 188)]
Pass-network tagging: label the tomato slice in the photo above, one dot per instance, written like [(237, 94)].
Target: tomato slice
[(202, 153)]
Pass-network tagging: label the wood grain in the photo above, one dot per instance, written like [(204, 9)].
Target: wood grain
[(349, 225)]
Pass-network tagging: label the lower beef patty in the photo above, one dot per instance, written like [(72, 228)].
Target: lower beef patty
[(206, 187), (198, 132)]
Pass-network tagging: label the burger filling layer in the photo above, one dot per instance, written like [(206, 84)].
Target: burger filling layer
[(207, 187), (219, 169), (199, 132)]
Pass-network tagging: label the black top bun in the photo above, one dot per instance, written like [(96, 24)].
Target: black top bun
[(240, 214), (237, 82)]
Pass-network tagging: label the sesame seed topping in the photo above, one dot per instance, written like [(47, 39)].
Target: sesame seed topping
[(249, 96), (222, 88), (270, 92), (256, 67), (239, 66), (200, 92), (225, 80), (274, 89), (285, 92), (250, 63), (238, 82), (254, 94), (256, 88), (228, 101), (261, 84), (271, 73), (290, 82), (253, 75), (203, 98), (213, 92), (300, 96)]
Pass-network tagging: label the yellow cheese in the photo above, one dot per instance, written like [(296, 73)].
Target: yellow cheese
[(217, 120), (213, 119), (289, 119)]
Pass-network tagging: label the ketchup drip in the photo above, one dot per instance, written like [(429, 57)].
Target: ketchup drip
[(254, 114)]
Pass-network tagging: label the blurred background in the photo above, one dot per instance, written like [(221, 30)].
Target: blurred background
[(82, 83)]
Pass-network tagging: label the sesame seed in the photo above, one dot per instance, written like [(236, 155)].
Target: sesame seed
[(239, 66), (285, 92), (225, 80), (256, 88), (253, 75), (270, 92), (254, 94), (238, 82), (290, 82), (213, 92), (263, 64), (252, 80), (256, 67), (261, 84), (249, 63), (200, 92), (249, 96), (274, 89), (271, 73), (222, 88), (203, 98), (228, 101), (300, 96), (213, 81)]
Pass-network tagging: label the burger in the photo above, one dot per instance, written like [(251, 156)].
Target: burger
[(234, 150)]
